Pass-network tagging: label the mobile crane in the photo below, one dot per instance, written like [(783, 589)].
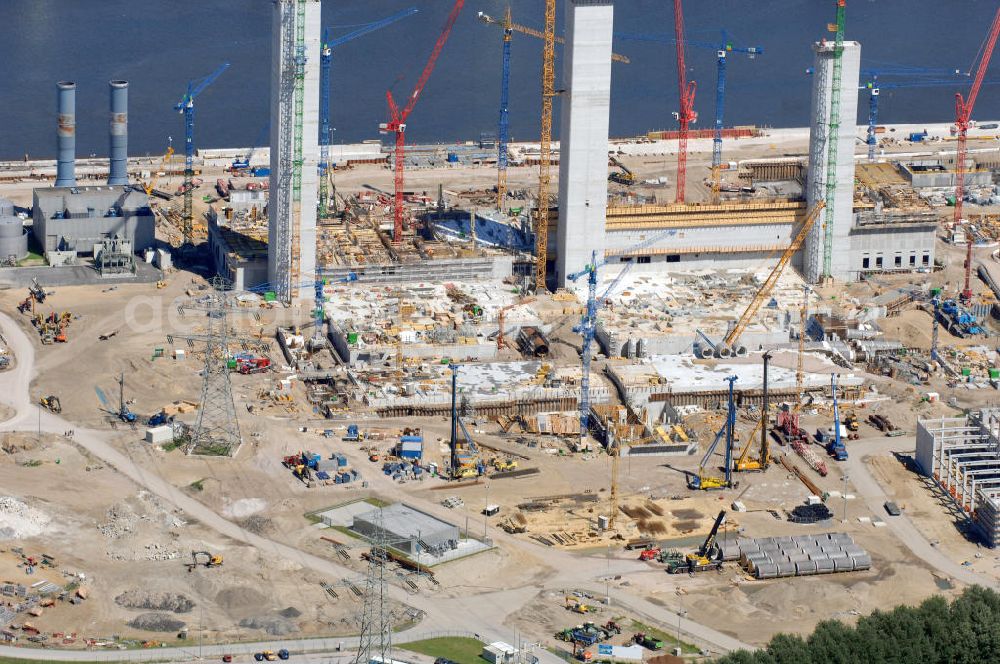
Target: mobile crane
[(707, 557), (624, 176)]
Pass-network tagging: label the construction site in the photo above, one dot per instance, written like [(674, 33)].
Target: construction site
[(324, 398)]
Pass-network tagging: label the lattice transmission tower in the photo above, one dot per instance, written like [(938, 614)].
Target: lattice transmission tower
[(217, 432), (376, 619)]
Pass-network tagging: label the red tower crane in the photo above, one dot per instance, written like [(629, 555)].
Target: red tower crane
[(685, 89), (397, 118), (963, 113)]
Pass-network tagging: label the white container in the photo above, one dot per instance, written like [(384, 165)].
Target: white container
[(159, 435)]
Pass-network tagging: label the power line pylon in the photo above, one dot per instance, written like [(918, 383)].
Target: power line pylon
[(217, 432), (376, 620)]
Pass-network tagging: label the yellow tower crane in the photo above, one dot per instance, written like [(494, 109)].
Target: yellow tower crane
[(545, 146), (772, 278)]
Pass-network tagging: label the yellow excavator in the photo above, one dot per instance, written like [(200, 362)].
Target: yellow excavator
[(51, 403), (209, 560)]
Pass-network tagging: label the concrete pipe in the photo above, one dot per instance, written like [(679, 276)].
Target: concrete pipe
[(741, 351), (704, 352), (725, 352)]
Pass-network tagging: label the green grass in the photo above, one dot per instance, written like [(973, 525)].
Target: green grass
[(33, 258), (347, 531), (172, 445), (18, 660), (197, 485), (376, 502), (668, 641), (456, 648)]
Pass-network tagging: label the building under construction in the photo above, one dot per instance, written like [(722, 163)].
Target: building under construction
[(962, 454)]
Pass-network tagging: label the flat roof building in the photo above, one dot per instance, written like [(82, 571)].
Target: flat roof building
[(78, 218), (409, 530)]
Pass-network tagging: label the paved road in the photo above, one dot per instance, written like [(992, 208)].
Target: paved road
[(874, 496), (480, 613)]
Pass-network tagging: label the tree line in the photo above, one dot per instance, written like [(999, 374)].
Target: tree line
[(967, 631)]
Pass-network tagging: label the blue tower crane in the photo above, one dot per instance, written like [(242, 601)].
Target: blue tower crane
[(186, 106), (918, 80), (326, 62), (722, 50), (587, 327), (503, 125)]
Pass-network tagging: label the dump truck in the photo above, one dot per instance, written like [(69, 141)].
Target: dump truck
[(647, 641)]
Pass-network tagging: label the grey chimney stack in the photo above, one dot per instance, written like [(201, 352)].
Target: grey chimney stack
[(118, 168), (66, 135)]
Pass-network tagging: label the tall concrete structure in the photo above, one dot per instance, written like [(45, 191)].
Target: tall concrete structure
[(295, 67), (118, 134), (583, 134), (812, 265), (66, 134)]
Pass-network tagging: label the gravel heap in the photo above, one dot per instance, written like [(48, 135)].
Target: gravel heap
[(19, 521), (136, 598)]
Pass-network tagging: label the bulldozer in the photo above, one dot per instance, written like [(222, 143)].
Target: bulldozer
[(51, 403), (210, 560)]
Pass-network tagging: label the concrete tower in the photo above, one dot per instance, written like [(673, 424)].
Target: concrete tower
[(583, 134), (812, 264), (295, 65)]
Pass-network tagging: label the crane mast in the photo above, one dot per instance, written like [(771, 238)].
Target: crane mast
[(326, 62), (186, 106), (685, 91), (545, 146), (397, 120), (503, 124), (963, 113)]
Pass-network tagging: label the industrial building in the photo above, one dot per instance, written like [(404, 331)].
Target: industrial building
[(295, 65), (583, 134), (76, 219), (237, 238), (70, 220), (871, 231), (962, 455), (408, 529)]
